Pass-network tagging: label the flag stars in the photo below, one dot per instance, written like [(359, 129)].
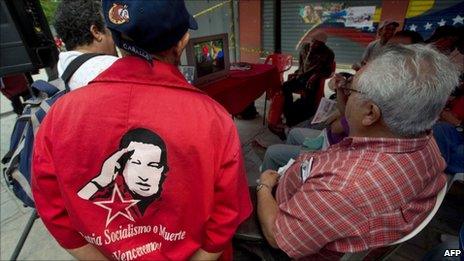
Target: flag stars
[(442, 22), (428, 26), (413, 27), (458, 20)]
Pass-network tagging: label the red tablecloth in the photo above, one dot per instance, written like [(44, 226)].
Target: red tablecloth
[(241, 88)]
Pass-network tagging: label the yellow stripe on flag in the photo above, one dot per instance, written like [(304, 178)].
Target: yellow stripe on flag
[(419, 7)]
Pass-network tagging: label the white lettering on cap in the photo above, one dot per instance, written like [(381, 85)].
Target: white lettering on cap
[(137, 51)]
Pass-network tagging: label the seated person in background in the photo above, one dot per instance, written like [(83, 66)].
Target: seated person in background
[(301, 61), (378, 184), (444, 39), (385, 32), (406, 37), (317, 65), (81, 26), (300, 140), (278, 128), (457, 56), (449, 41), (449, 132), (306, 139), (450, 140)]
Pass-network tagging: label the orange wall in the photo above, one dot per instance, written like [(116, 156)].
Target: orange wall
[(250, 30), (394, 10)]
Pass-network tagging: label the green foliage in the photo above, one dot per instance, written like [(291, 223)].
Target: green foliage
[(49, 8)]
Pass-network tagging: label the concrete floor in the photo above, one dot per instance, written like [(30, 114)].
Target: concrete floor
[(13, 216)]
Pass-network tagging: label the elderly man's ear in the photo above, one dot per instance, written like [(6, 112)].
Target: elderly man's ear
[(371, 114)]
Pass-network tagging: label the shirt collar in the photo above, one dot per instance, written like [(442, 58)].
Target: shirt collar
[(385, 145), (133, 69)]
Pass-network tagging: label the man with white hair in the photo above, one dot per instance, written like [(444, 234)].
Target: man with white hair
[(386, 31), (376, 185)]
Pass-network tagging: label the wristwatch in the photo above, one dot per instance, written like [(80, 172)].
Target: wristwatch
[(261, 185)]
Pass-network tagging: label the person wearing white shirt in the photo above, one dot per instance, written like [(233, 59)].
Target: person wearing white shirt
[(81, 27)]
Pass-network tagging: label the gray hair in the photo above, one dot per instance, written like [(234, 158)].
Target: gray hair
[(410, 84)]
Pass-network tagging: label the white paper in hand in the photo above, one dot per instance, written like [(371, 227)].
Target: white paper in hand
[(282, 170), (326, 108), (306, 169)]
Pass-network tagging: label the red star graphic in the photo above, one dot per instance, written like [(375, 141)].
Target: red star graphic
[(117, 206)]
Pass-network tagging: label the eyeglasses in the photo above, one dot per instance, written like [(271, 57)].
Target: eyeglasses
[(348, 91)]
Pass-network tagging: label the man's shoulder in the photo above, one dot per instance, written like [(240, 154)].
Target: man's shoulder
[(97, 64), (178, 97), (88, 71), (104, 58), (391, 179)]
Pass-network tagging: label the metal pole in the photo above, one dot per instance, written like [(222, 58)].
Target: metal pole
[(233, 31), (277, 27), (23, 238)]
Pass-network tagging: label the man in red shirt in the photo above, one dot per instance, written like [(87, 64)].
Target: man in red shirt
[(139, 164), (378, 184)]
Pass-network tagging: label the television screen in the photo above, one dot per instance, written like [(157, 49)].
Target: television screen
[(209, 57)]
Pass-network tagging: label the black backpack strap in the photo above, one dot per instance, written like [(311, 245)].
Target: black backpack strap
[(74, 65)]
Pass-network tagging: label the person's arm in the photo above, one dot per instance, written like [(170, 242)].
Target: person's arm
[(335, 116), (87, 252), (315, 216), (340, 83), (365, 57), (203, 255), (107, 174), (267, 206), (337, 82), (336, 126), (47, 190), (367, 54), (232, 204)]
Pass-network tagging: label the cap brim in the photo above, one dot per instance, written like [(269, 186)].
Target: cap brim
[(192, 23)]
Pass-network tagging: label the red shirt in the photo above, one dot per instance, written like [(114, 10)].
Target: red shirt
[(457, 107), (152, 206), (361, 193)]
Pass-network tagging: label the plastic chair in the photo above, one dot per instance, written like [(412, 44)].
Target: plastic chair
[(249, 231), (283, 62), (454, 178), (417, 230)]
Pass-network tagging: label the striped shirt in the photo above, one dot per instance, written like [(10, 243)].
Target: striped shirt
[(361, 193)]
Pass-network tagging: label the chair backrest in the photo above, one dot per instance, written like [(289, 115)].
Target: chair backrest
[(417, 230), (454, 178), (283, 62), (425, 222)]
